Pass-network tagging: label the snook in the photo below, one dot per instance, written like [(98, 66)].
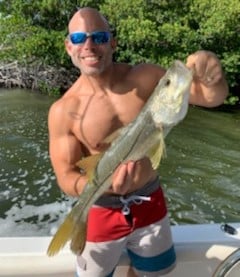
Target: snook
[(166, 107)]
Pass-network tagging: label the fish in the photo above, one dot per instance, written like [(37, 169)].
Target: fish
[(143, 137)]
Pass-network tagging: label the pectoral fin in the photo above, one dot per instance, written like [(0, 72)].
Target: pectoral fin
[(88, 164), (109, 139), (157, 151)]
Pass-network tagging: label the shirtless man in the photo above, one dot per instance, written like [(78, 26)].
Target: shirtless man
[(107, 96)]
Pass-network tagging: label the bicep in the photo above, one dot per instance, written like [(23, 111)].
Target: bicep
[(64, 148), (64, 152)]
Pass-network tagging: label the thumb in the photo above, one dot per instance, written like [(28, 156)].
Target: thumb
[(190, 63)]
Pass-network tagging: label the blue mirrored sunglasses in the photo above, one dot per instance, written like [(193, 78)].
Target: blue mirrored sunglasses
[(98, 37)]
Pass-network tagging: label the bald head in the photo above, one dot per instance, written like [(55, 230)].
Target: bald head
[(88, 19)]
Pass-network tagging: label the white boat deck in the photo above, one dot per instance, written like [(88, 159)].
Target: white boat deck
[(200, 249)]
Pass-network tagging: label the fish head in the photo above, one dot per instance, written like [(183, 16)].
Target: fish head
[(171, 96)]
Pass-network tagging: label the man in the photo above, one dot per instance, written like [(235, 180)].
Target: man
[(104, 98)]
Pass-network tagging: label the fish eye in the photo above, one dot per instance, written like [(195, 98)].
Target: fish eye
[(168, 82)]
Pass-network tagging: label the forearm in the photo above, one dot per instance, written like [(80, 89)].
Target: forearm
[(72, 183), (211, 96)]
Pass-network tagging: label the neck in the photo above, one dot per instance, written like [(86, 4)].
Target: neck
[(104, 81)]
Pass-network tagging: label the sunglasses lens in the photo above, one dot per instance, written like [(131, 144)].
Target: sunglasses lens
[(77, 38), (100, 37), (97, 37)]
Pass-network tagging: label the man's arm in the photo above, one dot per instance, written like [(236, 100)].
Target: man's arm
[(209, 87), (65, 150)]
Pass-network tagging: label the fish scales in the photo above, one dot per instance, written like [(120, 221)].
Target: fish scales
[(126, 146)]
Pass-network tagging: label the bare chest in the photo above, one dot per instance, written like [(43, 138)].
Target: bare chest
[(98, 116)]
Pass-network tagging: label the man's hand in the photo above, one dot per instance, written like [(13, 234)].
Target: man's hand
[(123, 178), (206, 66), (209, 87)]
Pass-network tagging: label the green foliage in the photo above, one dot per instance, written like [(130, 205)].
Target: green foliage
[(50, 91), (26, 43), (147, 30), (150, 31), (219, 31), (161, 31), (132, 28), (49, 14), (35, 30)]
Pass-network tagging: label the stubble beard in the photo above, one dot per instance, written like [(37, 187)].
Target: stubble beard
[(90, 71)]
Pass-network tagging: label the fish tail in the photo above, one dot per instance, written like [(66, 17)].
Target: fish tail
[(74, 227), (61, 237), (79, 238)]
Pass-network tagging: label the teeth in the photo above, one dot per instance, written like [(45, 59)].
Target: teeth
[(91, 58)]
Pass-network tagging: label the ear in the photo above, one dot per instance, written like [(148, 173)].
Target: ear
[(68, 46), (113, 44)]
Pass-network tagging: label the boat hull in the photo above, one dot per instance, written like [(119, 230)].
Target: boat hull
[(200, 249)]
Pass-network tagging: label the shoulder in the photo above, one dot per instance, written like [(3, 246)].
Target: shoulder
[(69, 101), (59, 115), (146, 76), (63, 104), (148, 70)]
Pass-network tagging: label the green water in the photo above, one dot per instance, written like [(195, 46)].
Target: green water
[(200, 174)]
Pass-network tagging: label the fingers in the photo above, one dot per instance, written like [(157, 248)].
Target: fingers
[(206, 66), (123, 178)]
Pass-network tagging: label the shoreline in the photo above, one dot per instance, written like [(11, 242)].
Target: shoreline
[(38, 77), (50, 80)]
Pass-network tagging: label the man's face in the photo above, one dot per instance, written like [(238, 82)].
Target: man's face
[(90, 44)]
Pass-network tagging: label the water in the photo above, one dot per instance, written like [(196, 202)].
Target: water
[(200, 175), (30, 201)]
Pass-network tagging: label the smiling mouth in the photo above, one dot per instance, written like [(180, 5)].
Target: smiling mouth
[(91, 58)]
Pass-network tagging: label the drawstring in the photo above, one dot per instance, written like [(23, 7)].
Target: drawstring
[(136, 199)]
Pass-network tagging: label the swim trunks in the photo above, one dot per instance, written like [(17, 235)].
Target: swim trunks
[(136, 222)]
